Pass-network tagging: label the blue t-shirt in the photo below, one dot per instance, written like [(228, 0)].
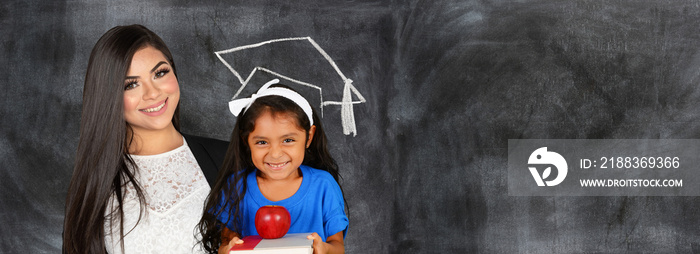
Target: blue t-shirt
[(317, 206)]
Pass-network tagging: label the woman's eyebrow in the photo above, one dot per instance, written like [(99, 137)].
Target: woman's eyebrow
[(157, 65), (152, 70)]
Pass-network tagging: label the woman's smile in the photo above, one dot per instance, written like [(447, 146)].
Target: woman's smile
[(155, 108)]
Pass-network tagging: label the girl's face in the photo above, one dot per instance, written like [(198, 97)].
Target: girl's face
[(277, 146), (151, 91)]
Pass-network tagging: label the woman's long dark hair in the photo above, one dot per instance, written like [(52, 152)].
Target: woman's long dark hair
[(102, 160), (238, 164)]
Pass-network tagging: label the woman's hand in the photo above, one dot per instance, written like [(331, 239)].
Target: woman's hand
[(334, 243), (228, 240)]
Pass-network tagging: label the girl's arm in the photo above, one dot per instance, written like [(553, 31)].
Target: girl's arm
[(229, 239), (334, 244)]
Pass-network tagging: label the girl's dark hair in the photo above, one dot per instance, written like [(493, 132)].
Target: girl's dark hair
[(102, 160), (238, 164)]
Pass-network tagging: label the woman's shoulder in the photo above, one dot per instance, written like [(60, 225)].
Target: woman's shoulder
[(215, 148), (205, 141), (209, 153)]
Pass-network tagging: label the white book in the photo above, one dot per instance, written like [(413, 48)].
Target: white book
[(290, 243)]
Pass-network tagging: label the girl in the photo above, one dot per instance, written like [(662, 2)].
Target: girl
[(277, 156), (138, 184)]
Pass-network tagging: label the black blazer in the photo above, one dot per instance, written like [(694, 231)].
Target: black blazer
[(209, 153)]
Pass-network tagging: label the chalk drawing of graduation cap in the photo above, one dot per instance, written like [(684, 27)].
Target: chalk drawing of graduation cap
[(314, 57)]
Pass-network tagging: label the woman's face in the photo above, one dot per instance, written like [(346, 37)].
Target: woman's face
[(151, 92)]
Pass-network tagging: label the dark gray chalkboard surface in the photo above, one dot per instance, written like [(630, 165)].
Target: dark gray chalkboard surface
[(445, 85)]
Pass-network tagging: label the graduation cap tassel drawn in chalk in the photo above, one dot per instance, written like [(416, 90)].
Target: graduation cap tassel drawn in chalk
[(346, 103)]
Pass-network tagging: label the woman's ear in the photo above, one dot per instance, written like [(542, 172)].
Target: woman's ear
[(312, 130)]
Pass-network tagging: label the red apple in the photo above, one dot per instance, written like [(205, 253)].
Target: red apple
[(272, 221)]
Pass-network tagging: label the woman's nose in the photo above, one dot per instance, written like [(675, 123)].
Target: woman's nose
[(150, 90)]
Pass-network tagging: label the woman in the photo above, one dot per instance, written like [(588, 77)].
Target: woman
[(138, 184)]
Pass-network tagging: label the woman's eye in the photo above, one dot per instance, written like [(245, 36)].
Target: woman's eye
[(289, 140), (162, 72), (131, 84), (261, 143)]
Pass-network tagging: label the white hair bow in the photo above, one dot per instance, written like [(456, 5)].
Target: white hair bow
[(238, 105)]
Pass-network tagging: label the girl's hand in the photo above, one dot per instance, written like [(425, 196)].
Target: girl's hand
[(224, 249), (228, 240), (334, 244), (319, 245)]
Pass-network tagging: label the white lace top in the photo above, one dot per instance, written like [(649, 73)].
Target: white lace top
[(175, 189)]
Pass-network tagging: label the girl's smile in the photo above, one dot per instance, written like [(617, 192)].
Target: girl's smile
[(277, 166)]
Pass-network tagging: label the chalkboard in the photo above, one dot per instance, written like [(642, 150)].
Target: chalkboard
[(436, 90)]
